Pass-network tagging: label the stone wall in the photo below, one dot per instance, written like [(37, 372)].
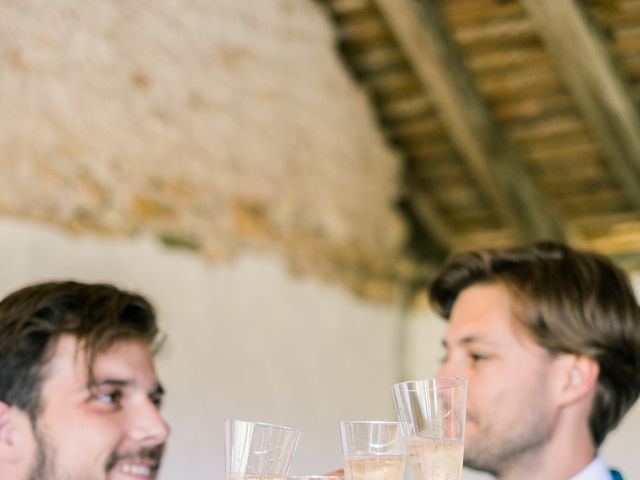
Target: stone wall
[(219, 126)]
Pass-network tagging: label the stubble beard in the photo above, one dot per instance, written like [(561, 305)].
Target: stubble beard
[(46, 467), (45, 464), (43, 468), (496, 452)]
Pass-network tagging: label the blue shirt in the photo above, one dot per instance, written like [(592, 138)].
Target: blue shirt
[(597, 470)]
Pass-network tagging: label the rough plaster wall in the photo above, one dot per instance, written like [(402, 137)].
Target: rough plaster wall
[(213, 124)]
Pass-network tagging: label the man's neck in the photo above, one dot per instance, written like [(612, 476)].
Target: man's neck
[(567, 453)]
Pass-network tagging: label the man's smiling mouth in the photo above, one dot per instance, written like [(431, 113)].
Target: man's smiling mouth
[(141, 464), (139, 468)]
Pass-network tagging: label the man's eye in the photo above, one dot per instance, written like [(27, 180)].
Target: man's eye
[(109, 398), (156, 400), (476, 357)]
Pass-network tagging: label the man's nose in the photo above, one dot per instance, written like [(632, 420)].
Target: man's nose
[(448, 369), (148, 427)]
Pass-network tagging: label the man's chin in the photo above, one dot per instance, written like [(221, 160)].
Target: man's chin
[(476, 459), (478, 467), (476, 455)]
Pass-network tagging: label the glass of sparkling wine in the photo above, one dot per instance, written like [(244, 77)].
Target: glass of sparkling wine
[(432, 414), (372, 450), (258, 451)]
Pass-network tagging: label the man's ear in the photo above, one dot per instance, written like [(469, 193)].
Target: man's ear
[(577, 377), (12, 431)]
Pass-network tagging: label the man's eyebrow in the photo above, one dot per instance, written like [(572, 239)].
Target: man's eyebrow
[(470, 339), (156, 390), (109, 382)]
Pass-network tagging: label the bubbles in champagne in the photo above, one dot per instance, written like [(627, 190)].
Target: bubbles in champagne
[(435, 459), (374, 467)]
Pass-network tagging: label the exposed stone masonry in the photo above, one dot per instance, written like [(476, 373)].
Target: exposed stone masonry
[(214, 125)]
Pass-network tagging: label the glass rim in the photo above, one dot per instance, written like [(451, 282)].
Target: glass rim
[(369, 422), (299, 477), (229, 421), (455, 383)]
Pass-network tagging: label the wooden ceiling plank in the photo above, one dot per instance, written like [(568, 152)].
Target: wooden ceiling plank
[(601, 224), (348, 8), (522, 84), (508, 60), (434, 151), (472, 12), (605, 201), (548, 129), (534, 108), (584, 63), (495, 238), (407, 108), (394, 83), (369, 31), (365, 42), (550, 153), (497, 171), (379, 59), (516, 32), (431, 219)]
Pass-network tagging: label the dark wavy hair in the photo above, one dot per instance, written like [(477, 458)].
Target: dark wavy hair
[(33, 318), (570, 301)]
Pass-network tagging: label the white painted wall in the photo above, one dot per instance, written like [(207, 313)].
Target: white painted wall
[(423, 351), (245, 340)]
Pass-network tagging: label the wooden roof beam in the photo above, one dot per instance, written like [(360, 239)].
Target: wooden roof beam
[(417, 27), (400, 108), (430, 218), (583, 61)]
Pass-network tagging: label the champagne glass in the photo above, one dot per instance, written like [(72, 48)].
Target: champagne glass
[(372, 450), (432, 413), (258, 451)]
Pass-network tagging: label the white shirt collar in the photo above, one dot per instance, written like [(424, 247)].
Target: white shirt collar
[(596, 470)]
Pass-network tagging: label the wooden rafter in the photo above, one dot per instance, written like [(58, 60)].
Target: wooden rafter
[(417, 27), (588, 70), (429, 217), (380, 65)]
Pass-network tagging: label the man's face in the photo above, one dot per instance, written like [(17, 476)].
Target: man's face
[(510, 410), (109, 431)]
